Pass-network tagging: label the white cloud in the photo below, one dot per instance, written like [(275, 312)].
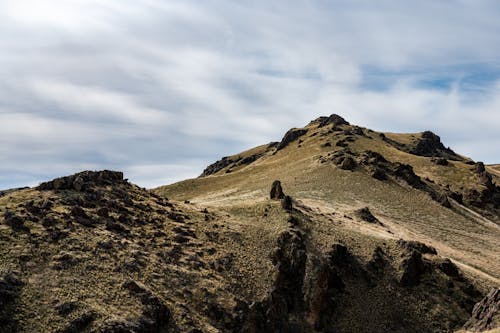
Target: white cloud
[(159, 89)]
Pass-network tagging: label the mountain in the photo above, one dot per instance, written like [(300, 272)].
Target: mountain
[(336, 228)]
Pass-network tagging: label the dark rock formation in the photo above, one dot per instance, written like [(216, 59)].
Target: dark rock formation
[(276, 191), (449, 268), (348, 163), (333, 119), (378, 262), (286, 300), (10, 287), (440, 161), (416, 245), (486, 313), (155, 316), (83, 181), (479, 168), (290, 136), (287, 203), (217, 166), (429, 144), (405, 172), (15, 221), (234, 161), (366, 215), (413, 268)]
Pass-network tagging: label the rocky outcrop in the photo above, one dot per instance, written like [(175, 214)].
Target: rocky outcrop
[(333, 119), (83, 181), (155, 317), (412, 267), (276, 192), (217, 166), (291, 136), (10, 287), (429, 144), (486, 313), (366, 215), (231, 161), (278, 311)]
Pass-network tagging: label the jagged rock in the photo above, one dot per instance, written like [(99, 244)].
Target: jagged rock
[(366, 215), (340, 256), (286, 299), (287, 203), (486, 313), (405, 172), (479, 168), (10, 288), (449, 268), (116, 227), (429, 144), (155, 316), (411, 245), (348, 163), (333, 119), (83, 181), (14, 221), (82, 217), (413, 267), (326, 285), (378, 262), (379, 174), (276, 191), (290, 136)]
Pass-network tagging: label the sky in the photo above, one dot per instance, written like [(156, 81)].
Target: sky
[(160, 89)]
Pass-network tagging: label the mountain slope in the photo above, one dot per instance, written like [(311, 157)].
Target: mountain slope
[(411, 200), (365, 232)]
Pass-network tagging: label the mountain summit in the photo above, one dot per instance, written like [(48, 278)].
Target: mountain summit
[(335, 228)]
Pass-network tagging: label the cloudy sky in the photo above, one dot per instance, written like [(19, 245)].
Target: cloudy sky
[(159, 89)]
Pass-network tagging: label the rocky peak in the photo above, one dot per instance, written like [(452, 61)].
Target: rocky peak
[(333, 119), (84, 180), (430, 145)]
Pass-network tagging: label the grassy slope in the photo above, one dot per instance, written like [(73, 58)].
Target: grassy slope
[(407, 213)]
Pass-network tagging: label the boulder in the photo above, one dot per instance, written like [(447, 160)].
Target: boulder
[(276, 191), (366, 215), (348, 163)]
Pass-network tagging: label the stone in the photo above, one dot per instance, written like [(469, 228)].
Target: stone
[(290, 136), (366, 215), (449, 268), (411, 245), (276, 191), (287, 203), (333, 119), (15, 221), (83, 181), (413, 268), (348, 163)]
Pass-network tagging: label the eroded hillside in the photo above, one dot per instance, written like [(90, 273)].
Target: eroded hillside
[(363, 232)]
